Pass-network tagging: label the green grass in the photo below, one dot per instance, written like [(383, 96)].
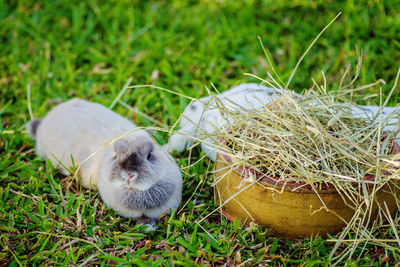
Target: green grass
[(87, 49)]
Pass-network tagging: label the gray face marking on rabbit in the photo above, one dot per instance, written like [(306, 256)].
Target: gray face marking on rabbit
[(193, 106), (154, 197), (135, 163)]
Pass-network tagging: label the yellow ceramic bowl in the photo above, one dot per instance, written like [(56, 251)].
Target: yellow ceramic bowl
[(292, 214)]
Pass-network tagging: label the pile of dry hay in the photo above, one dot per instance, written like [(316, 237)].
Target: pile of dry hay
[(318, 140), (313, 140)]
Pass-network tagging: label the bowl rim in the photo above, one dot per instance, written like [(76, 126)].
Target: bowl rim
[(292, 186)]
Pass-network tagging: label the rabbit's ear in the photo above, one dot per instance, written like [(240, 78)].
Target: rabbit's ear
[(121, 147), (149, 131)]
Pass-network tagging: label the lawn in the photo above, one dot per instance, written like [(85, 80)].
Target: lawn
[(89, 49)]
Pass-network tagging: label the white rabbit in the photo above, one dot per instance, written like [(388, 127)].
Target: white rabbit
[(134, 175), (203, 117)]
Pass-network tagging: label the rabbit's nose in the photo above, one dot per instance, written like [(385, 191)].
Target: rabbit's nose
[(132, 177)]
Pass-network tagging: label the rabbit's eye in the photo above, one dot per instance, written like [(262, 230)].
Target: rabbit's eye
[(149, 156)]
